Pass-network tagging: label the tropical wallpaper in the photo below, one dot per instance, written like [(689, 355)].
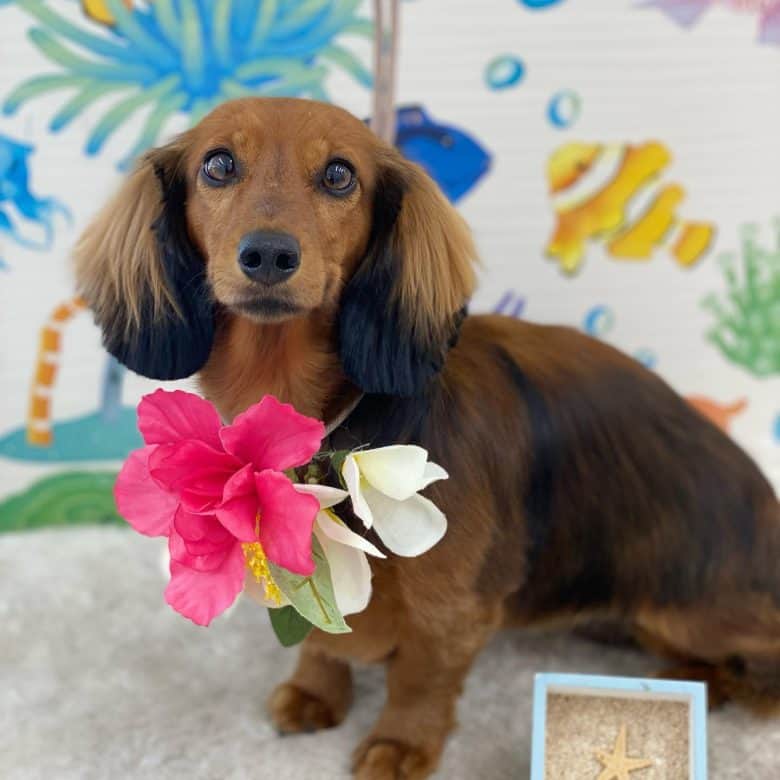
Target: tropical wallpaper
[(618, 161)]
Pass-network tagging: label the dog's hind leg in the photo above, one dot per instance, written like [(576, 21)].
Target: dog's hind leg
[(752, 682), (736, 652)]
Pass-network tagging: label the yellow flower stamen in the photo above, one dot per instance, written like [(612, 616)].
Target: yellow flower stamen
[(257, 563)]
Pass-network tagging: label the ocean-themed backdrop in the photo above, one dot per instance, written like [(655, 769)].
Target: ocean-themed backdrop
[(617, 160)]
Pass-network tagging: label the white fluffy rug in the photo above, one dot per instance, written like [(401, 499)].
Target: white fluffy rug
[(100, 679)]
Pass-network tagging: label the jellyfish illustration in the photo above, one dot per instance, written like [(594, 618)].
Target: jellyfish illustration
[(165, 57), (18, 204)]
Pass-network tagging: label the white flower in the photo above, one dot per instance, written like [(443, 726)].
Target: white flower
[(345, 551), (383, 484)]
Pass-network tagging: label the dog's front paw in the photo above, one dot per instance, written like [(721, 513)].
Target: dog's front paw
[(294, 711), (381, 759)]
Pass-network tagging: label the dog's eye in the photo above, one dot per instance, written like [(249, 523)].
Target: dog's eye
[(339, 177), (219, 167)]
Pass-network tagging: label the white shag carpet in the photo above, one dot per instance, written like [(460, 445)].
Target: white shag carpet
[(100, 679)]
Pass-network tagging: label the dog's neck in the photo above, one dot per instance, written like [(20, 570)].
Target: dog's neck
[(296, 361)]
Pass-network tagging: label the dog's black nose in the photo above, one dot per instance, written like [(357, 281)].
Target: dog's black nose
[(268, 258)]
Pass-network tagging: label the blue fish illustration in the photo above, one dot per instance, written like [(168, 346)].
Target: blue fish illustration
[(453, 158), (17, 203)]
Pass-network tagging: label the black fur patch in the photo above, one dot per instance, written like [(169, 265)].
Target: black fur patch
[(379, 421), (379, 351), (544, 456), (588, 579), (176, 344)]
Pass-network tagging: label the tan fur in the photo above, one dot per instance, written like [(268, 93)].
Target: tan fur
[(293, 360), (276, 191), (116, 258), (437, 273)]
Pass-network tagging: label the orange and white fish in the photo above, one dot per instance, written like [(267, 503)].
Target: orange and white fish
[(99, 10), (611, 193)]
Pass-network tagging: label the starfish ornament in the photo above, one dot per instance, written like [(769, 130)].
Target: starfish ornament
[(617, 765)]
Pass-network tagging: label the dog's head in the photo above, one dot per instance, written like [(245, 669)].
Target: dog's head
[(272, 209)]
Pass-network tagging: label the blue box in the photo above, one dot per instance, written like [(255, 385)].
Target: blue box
[(695, 694)]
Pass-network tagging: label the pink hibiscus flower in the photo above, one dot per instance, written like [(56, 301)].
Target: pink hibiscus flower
[(220, 495)]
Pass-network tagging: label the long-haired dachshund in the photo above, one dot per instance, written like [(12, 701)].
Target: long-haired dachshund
[(280, 247)]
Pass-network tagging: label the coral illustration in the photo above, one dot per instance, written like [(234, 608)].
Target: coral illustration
[(165, 57), (747, 315)]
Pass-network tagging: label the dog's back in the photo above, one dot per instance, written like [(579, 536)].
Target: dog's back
[(653, 514), (612, 497)]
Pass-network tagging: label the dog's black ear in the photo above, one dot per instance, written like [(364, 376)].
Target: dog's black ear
[(402, 309), (142, 276)]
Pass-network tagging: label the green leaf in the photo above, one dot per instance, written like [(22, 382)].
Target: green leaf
[(289, 626), (337, 459), (312, 596)]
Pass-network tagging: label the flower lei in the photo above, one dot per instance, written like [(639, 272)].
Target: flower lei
[(238, 517)]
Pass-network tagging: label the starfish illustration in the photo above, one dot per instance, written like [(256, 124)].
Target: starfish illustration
[(617, 765)]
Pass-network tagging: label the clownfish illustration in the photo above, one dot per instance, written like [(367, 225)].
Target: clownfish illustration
[(100, 12), (609, 192)]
